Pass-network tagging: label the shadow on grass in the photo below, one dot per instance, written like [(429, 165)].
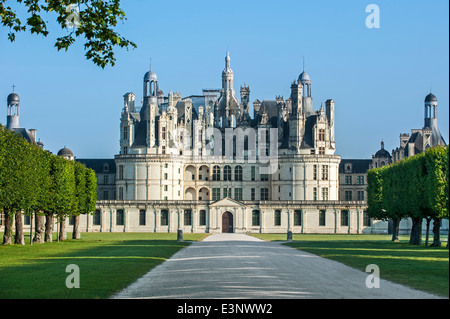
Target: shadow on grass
[(105, 268)]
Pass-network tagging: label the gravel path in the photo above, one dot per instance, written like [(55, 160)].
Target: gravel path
[(241, 266)]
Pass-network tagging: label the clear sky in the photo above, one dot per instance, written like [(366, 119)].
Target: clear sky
[(377, 77)]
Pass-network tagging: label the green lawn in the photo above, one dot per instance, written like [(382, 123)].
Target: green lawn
[(108, 262), (422, 268)]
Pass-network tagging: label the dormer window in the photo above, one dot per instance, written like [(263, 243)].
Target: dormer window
[(106, 167), (348, 168)]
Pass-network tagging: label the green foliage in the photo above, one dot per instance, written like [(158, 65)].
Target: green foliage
[(94, 20)]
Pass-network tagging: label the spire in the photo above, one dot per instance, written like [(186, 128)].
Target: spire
[(227, 62), (382, 144)]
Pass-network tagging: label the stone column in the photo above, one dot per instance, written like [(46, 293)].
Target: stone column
[(102, 220)]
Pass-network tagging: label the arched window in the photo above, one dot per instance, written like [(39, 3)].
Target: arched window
[(227, 173), (216, 173), (238, 173)]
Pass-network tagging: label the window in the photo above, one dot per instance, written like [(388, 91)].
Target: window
[(344, 218), (164, 217), (187, 217), (366, 219), (165, 176), (96, 220), (125, 132), (202, 221), (226, 192), (238, 194), (27, 220), (360, 195), (277, 218), (324, 193), (227, 173), (315, 172), (253, 173), (321, 150), (264, 194), (142, 217), (120, 172), (255, 218), (321, 134), (165, 188), (163, 133), (322, 218), (119, 217), (315, 193), (360, 180), (238, 173), (348, 180), (163, 150), (215, 194), (120, 193), (324, 172), (105, 179), (105, 195), (348, 195), (297, 218), (264, 177), (252, 194), (216, 173)]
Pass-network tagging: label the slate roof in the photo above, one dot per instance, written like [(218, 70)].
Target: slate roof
[(97, 164), (360, 166)]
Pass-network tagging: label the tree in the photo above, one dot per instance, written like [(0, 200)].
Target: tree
[(94, 20), (436, 183), (81, 195)]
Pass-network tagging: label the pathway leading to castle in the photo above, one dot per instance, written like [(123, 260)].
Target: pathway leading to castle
[(241, 266)]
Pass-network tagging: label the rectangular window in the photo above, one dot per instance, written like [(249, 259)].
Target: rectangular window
[(163, 150), (315, 193), (120, 193), (142, 217), (348, 195), (253, 173), (264, 194), (163, 133), (297, 218), (164, 217), (324, 193), (324, 172), (360, 180), (321, 218), (264, 177), (215, 194), (119, 217), (120, 172), (105, 195), (27, 220), (238, 194), (96, 220), (255, 218), (202, 221), (321, 134), (165, 176), (277, 218), (344, 218), (315, 172), (226, 192), (360, 195), (252, 194), (321, 150), (188, 217), (348, 180), (125, 132), (105, 179)]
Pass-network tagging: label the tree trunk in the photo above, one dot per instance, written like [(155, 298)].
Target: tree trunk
[(428, 231), (48, 227), (416, 231), (76, 227), (19, 240), (39, 231), (436, 233), (62, 229), (395, 229), (7, 236)]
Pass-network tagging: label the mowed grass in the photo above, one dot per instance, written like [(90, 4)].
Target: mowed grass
[(108, 262), (419, 267)]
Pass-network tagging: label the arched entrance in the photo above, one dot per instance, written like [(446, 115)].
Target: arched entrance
[(227, 222)]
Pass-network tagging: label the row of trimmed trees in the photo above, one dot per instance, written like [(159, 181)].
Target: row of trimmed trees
[(416, 187), (42, 185)]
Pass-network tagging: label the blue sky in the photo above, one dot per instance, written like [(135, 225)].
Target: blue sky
[(377, 77)]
